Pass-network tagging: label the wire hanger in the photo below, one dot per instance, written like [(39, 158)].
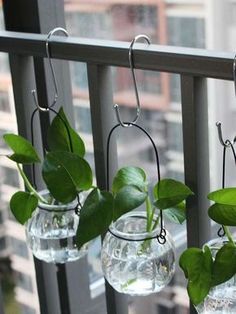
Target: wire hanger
[(226, 144), (48, 53), (131, 63), (48, 108)]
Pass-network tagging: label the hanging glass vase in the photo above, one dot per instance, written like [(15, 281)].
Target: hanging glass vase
[(133, 261), (51, 232), (222, 298)]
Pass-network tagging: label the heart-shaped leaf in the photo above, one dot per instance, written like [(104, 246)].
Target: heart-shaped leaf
[(224, 266), (129, 176), (225, 196), (169, 193), (62, 137), (126, 199), (176, 214), (197, 266), (65, 175), (22, 205), (24, 152), (223, 214), (95, 216)]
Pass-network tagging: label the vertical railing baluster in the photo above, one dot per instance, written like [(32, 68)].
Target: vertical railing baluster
[(59, 290), (101, 102), (196, 158)]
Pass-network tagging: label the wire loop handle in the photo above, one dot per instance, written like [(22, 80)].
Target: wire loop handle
[(48, 53), (161, 237), (226, 144), (131, 64)]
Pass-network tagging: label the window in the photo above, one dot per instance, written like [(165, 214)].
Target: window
[(79, 75), (175, 90), (4, 101), (186, 31), (2, 212), (10, 177), (130, 20), (83, 119), (24, 281), (174, 135), (3, 244), (2, 143), (166, 309), (19, 247), (89, 24)]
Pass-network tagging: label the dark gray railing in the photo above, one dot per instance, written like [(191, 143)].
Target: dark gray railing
[(193, 65)]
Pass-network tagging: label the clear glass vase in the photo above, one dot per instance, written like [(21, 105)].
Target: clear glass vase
[(51, 232), (222, 298), (134, 265)]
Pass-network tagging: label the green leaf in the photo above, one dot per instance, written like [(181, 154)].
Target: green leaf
[(176, 214), (22, 205), (197, 266), (126, 199), (95, 216), (129, 176), (225, 196), (224, 266), (169, 193), (24, 152), (62, 137), (223, 214), (66, 174)]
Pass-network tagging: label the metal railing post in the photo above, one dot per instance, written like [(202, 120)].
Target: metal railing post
[(196, 158), (101, 102), (55, 289)]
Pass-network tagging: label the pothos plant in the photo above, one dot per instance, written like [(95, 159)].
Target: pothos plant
[(203, 270), (67, 174)]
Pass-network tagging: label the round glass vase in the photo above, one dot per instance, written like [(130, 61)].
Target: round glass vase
[(131, 262), (222, 298), (51, 232)]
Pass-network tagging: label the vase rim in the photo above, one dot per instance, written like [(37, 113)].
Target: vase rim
[(138, 236), (58, 207), (217, 241)]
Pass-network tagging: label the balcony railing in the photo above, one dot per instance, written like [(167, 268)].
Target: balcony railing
[(26, 51)]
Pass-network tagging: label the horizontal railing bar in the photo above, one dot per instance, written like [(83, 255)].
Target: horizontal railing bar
[(191, 61)]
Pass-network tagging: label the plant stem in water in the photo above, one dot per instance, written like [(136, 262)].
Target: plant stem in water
[(149, 214), (229, 235)]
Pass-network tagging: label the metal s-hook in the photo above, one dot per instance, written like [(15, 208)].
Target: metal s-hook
[(48, 53), (227, 142), (131, 63), (52, 32)]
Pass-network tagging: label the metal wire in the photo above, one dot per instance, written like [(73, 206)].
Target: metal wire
[(161, 237), (226, 144)]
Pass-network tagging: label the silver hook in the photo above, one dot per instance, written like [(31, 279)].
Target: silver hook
[(131, 63), (227, 142), (52, 32)]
